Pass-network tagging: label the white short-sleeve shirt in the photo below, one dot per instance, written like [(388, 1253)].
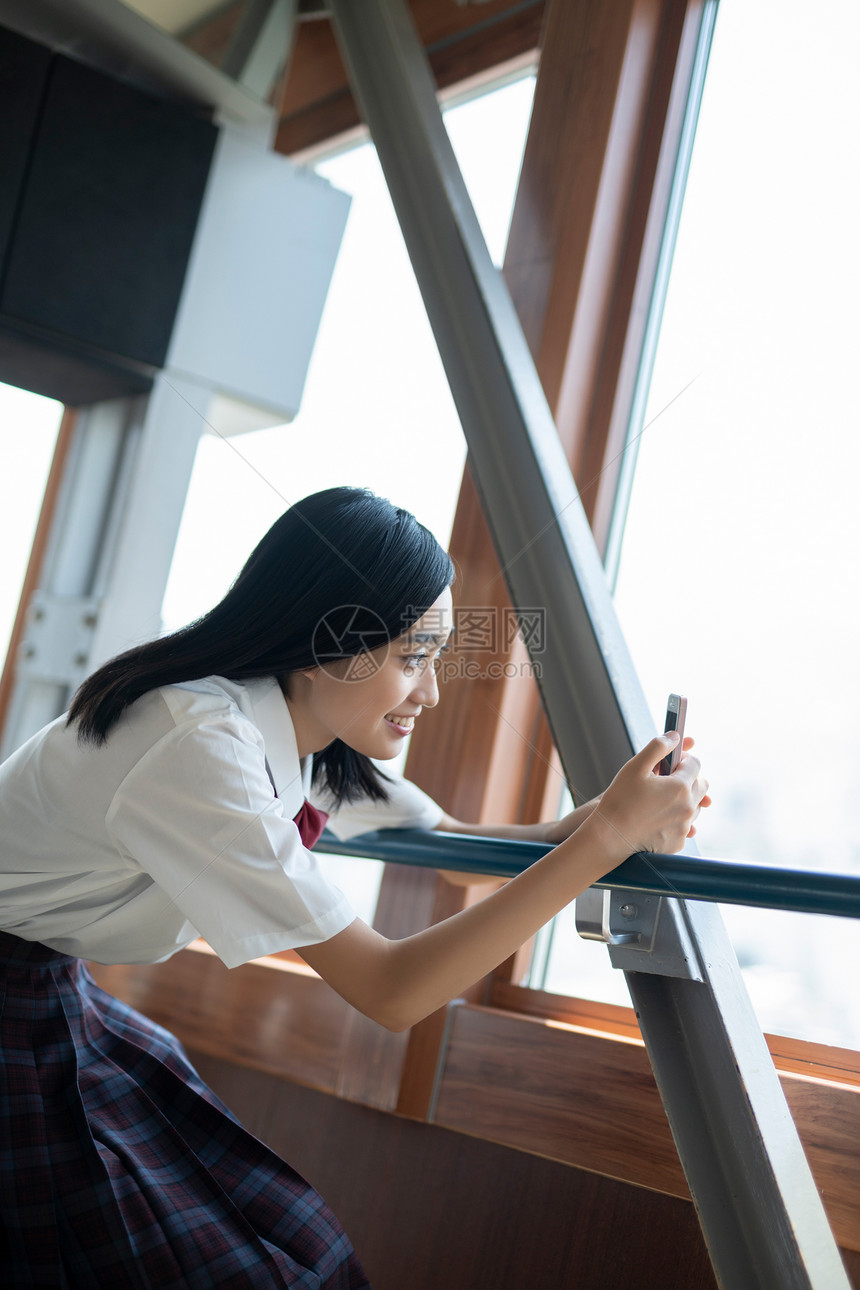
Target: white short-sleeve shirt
[(125, 853)]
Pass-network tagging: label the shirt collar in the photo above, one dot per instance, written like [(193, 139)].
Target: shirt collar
[(271, 716)]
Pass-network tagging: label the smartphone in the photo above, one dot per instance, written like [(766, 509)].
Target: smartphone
[(676, 714)]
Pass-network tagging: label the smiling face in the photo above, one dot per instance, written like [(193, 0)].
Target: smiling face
[(372, 706)]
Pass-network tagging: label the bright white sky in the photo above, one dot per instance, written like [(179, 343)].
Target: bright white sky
[(740, 555), (28, 431), (737, 583), (377, 410)]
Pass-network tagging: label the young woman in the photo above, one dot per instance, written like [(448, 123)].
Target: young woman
[(179, 797)]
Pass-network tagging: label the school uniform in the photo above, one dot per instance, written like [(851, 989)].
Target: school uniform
[(118, 1167)]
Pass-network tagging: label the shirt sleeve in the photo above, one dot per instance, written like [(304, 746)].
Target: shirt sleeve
[(408, 807), (199, 815)]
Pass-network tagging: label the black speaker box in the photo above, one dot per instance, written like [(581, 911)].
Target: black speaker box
[(101, 191)]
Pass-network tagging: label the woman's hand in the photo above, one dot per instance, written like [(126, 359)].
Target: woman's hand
[(552, 832), (705, 801), (642, 810), (549, 831)]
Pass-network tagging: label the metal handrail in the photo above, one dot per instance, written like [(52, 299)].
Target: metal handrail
[(728, 882)]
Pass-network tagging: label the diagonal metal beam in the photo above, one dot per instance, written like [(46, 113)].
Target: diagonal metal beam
[(529, 497), (760, 1211), (261, 45)]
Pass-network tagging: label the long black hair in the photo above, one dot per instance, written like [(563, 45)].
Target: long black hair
[(340, 573)]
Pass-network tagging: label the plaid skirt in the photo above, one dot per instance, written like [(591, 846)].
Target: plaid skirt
[(121, 1170)]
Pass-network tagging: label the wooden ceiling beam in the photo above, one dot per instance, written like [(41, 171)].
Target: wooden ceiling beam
[(464, 42)]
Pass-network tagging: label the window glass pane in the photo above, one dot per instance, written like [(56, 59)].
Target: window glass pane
[(737, 579), (377, 411), (28, 436)]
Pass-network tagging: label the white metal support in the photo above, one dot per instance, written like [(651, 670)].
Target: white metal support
[(49, 664), (760, 1211), (261, 45), (110, 547)]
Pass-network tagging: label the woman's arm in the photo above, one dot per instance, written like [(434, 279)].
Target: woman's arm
[(549, 831), (399, 982), (552, 832)]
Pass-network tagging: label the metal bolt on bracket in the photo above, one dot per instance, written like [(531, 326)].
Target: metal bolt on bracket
[(58, 638)]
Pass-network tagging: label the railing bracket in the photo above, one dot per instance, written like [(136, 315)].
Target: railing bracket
[(643, 933)]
